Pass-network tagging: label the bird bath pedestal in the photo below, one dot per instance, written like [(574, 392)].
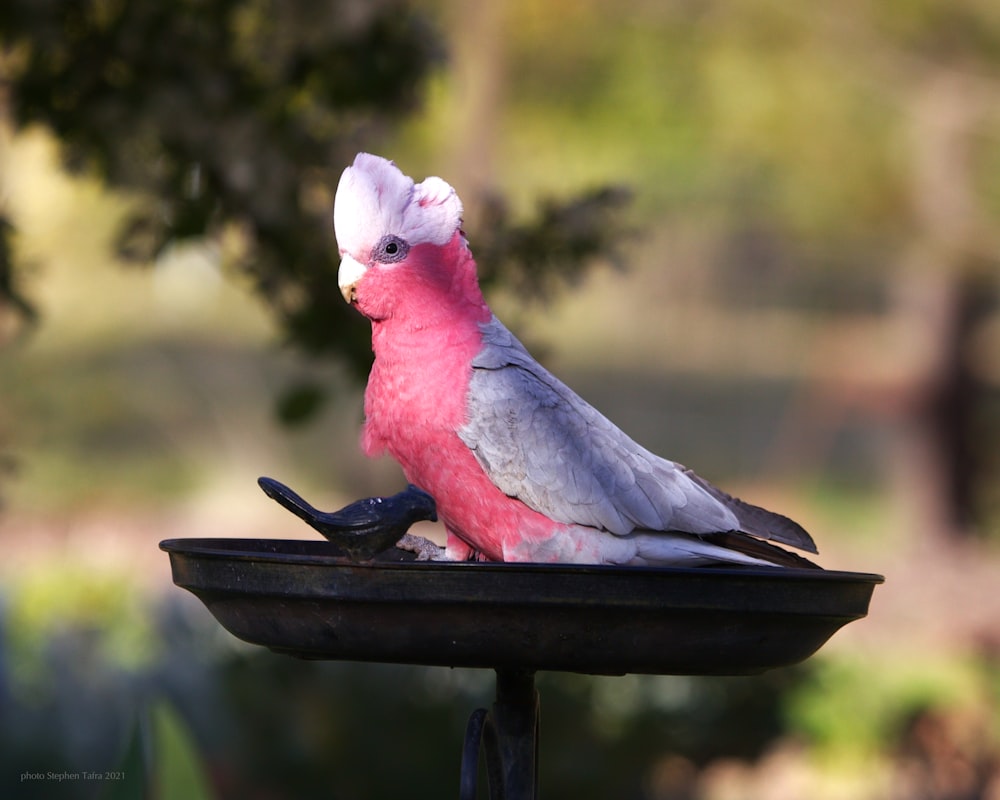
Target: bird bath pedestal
[(305, 598)]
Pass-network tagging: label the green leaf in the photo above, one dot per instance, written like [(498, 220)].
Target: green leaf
[(177, 772)]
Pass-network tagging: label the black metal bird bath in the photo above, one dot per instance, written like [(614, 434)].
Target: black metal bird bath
[(304, 599)]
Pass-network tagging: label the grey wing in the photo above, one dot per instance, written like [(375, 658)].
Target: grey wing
[(540, 442)]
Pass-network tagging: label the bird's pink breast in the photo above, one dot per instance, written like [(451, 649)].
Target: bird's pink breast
[(415, 404)]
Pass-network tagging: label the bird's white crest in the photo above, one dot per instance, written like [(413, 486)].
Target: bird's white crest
[(374, 198)]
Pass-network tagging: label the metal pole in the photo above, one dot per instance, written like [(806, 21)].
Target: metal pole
[(509, 735)]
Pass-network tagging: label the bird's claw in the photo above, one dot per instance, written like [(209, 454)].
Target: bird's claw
[(425, 549)]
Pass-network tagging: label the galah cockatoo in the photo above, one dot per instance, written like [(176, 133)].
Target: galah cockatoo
[(521, 468)]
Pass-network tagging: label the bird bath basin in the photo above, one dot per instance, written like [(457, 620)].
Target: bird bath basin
[(298, 597), (306, 599)]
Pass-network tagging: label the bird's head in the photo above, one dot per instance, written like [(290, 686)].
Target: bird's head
[(397, 239)]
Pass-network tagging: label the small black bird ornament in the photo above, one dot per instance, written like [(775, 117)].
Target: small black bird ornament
[(366, 527)]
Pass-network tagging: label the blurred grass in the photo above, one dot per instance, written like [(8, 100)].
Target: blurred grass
[(47, 601), (851, 706)]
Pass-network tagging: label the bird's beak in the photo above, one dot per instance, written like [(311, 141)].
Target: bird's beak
[(350, 273)]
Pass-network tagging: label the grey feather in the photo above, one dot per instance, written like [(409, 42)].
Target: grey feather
[(540, 442)]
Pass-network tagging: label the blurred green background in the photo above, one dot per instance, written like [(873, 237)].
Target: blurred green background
[(761, 238)]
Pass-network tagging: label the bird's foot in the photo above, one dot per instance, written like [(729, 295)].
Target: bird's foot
[(425, 549)]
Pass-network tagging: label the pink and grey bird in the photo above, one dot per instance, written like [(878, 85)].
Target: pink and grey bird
[(521, 468)]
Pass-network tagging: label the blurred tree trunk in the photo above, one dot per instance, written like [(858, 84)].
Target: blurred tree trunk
[(937, 459), (476, 43), (944, 290), (15, 309)]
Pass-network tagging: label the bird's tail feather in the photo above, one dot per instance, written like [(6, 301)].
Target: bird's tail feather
[(759, 521), (755, 548)]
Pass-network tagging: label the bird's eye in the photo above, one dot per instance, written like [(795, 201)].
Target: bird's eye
[(390, 249)]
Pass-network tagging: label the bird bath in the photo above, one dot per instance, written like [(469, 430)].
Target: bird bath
[(307, 599)]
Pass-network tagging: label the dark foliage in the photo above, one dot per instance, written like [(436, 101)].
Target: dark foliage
[(236, 117)]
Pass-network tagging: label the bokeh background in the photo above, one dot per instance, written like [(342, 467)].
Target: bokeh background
[(762, 238)]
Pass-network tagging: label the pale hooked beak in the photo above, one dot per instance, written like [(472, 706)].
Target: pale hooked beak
[(350, 273)]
